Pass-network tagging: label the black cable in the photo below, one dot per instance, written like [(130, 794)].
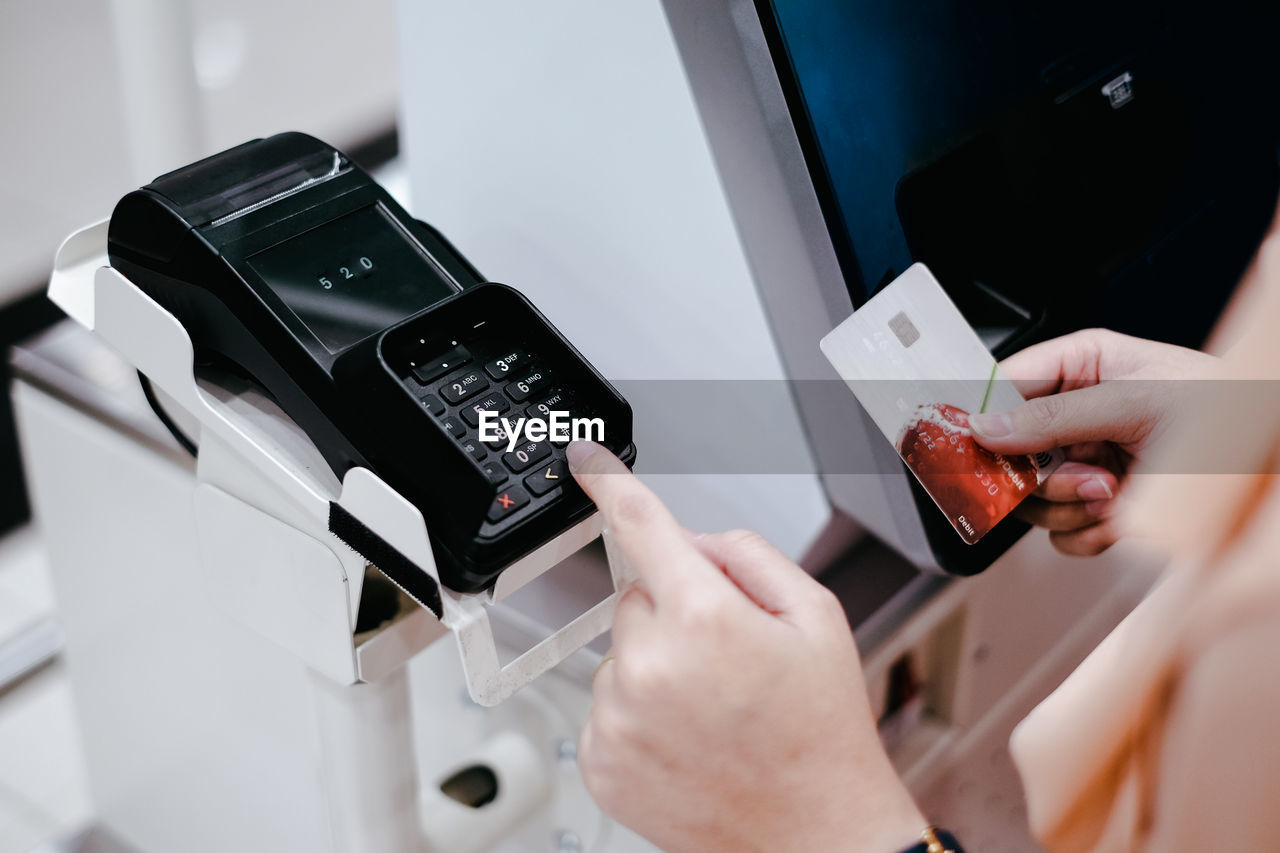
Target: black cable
[(178, 435)]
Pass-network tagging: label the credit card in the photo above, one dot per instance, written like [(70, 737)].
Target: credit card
[(920, 370)]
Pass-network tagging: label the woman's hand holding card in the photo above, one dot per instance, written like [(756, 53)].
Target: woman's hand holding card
[(1101, 396)]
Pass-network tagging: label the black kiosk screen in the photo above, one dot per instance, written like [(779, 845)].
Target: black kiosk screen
[(351, 277)]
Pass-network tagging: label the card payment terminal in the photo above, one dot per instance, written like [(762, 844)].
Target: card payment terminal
[(287, 263)]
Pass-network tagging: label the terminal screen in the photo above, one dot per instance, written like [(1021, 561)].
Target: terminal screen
[(351, 277)]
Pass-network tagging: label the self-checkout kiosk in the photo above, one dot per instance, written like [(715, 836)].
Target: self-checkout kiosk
[(290, 640)]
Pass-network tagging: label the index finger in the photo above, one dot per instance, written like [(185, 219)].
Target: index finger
[(639, 523)]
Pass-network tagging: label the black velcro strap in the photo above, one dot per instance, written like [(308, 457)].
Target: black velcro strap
[(398, 568)]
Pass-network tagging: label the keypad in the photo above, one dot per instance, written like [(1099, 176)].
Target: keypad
[(477, 375)]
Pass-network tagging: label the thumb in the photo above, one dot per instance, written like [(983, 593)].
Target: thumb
[(1097, 413)]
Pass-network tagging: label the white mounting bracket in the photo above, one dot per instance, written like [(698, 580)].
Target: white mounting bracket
[(256, 454)]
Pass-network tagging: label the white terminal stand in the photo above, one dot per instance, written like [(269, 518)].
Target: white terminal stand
[(261, 509), (264, 495)]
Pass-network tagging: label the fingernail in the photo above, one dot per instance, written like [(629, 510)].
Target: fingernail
[(991, 425), (693, 534), (1099, 508), (1095, 489), (579, 452)]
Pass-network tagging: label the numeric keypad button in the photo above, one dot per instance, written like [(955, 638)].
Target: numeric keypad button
[(527, 385), (496, 473), (507, 365), (475, 448), (492, 402), (460, 386), (499, 443), (432, 404), (556, 401), (454, 427), (527, 454)]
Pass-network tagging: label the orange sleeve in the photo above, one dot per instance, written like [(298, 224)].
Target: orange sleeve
[(1218, 777)]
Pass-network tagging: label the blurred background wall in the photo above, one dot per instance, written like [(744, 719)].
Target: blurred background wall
[(201, 75)]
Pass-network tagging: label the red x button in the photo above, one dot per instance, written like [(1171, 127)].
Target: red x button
[(507, 502)]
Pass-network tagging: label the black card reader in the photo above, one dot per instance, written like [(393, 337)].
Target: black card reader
[(287, 263)]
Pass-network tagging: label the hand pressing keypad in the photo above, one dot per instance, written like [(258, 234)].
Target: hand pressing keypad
[(473, 377)]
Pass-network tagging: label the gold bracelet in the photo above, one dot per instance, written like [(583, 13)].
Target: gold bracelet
[(932, 843)]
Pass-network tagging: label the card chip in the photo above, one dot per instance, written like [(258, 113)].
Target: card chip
[(906, 331)]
